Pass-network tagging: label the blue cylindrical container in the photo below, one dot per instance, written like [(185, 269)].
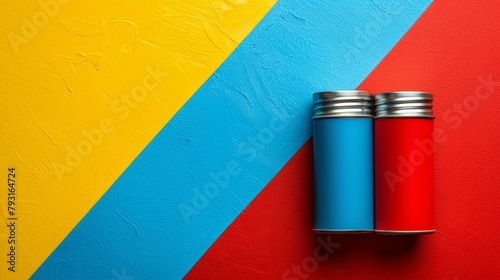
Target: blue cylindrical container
[(343, 162)]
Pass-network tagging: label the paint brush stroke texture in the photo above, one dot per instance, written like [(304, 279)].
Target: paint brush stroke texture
[(451, 52), (84, 87), (229, 140)]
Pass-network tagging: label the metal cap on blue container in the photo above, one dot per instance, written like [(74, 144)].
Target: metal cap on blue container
[(342, 104)]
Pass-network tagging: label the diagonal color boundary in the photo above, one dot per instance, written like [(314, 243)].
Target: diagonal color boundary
[(87, 94), (229, 140), (272, 237)]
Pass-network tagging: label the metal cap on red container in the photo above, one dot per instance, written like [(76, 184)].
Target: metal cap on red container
[(341, 104), (402, 104)]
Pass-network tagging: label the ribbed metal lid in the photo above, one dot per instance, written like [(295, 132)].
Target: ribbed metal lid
[(402, 104), (342, 104)]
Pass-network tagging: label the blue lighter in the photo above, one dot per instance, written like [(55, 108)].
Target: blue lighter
[(343, 162)]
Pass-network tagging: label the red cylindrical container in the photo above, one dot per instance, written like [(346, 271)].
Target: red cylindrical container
[(404, 165)]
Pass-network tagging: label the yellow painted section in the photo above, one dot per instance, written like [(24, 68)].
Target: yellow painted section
[(84, 87)]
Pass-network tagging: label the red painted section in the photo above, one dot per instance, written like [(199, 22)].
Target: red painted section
[(452, 51), (404, 174)]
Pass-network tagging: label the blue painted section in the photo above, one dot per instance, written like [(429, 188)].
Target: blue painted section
[(343, 174), (229, 140)]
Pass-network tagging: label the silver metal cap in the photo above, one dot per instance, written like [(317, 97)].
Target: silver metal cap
[(342, 104), (403, 104)]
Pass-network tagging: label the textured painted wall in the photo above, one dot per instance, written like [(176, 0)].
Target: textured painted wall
[(453, 52), (223, 147), (156, 140), (84, 87)]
